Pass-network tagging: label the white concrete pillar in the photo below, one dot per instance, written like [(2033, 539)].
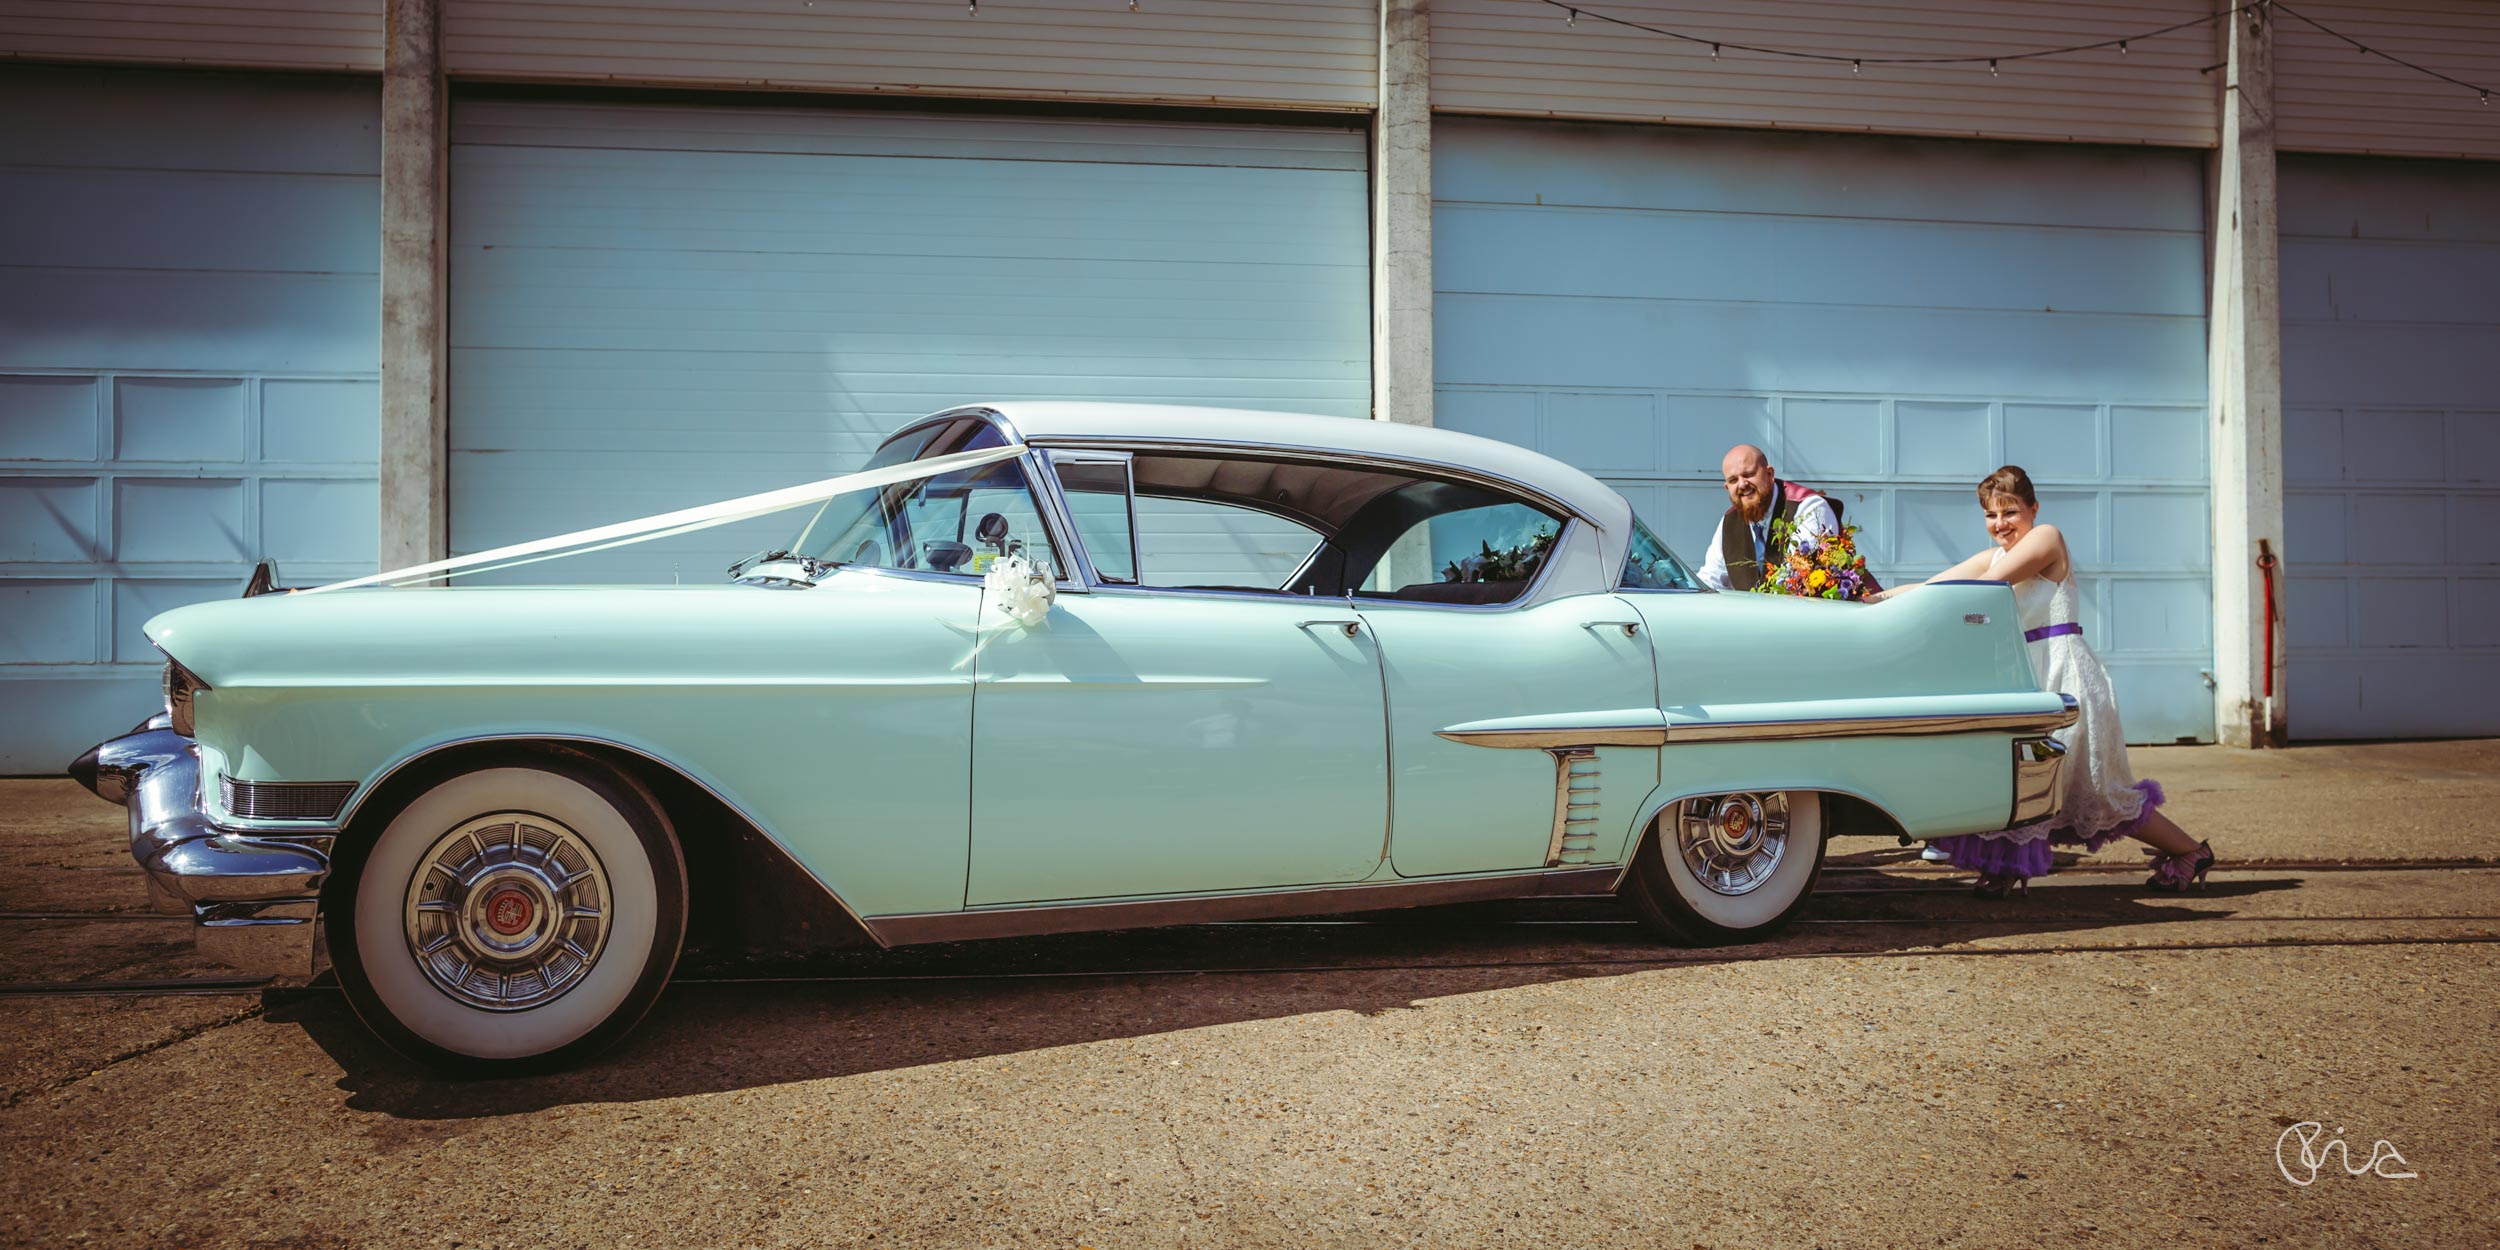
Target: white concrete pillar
[(415, 125), (1402, 217), (2245, 364)]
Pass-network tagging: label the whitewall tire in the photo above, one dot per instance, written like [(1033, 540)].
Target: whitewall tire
[(1726, 868), (512, 917)]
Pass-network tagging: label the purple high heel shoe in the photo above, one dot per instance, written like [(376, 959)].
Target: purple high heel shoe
[(2173, 874), (1996, 885)]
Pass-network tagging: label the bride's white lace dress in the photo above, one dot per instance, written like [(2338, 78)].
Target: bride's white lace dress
[(2103, 798)]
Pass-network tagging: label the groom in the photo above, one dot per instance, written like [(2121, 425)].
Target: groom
[(1743, 542)]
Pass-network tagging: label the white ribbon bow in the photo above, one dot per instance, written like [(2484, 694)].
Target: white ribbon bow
[(1019, 590)]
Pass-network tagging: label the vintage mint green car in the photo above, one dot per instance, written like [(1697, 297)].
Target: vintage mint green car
[(1270, 665)]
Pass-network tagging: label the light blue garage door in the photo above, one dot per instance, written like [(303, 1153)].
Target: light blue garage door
[(655, 306), (189, 322), (2391, 446), (1890, 318)]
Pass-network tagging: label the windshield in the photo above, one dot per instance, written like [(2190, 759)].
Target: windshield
[(951, 523), (1650, 566)]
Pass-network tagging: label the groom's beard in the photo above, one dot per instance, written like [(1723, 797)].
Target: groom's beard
[(1754, 508)]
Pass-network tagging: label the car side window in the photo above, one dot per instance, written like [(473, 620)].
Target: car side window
[(1214, 546), (1649, 565), (1135, 536), (1303, 525), (1489, 553)]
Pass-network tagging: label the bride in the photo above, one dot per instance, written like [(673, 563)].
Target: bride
[(2103, 798)]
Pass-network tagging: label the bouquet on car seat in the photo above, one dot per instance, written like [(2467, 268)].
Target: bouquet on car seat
[(1824, 566), (1502, 564)]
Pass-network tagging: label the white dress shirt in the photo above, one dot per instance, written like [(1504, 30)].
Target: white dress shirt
[(1814, 517)]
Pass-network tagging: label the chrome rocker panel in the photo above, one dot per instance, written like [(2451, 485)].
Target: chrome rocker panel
[(253, 901)]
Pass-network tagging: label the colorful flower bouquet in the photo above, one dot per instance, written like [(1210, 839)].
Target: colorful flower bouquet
[(1502, 564), (1818, 567)]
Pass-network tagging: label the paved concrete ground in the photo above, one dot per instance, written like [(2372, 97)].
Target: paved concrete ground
[(1910, 1066)]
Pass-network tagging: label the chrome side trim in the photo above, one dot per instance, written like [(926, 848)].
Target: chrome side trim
[(1059, 516), (981, 412), (1875, 726), (2038, 764), (911, 929), (743, 814), (1562, 737), (1575, 805)]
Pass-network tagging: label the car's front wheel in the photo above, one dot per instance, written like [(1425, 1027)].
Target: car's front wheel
[(1726, 868), (513, 917)]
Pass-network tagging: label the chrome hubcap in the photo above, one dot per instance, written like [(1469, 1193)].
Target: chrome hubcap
[(1732, 843), (508, 911)]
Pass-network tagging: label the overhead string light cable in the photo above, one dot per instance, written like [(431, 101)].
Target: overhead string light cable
[(1574, 12), (2366, 50), (1858, 61)]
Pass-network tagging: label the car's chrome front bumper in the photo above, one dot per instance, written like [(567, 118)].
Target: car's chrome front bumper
[(254, 901), (2039, 765)]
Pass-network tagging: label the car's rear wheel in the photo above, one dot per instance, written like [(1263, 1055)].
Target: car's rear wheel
[(1726, 868), (513, 917)]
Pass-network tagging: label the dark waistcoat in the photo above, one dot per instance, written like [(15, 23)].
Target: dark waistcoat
[(1744, 572)]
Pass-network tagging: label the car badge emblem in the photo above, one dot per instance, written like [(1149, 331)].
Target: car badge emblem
[(508, 912)]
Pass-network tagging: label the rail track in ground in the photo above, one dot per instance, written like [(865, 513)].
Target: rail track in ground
[(1899, 882)]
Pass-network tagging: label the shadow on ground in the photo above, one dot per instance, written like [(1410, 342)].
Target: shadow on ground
[(742, 1024)]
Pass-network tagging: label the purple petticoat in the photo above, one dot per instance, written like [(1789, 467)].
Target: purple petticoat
[(2005, 856)]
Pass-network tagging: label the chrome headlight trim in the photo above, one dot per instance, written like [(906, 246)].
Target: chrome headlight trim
[(180, 684)]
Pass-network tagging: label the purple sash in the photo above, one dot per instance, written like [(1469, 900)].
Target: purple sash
[(2051, 631)]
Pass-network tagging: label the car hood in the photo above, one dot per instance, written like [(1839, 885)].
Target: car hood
[(441, 635)]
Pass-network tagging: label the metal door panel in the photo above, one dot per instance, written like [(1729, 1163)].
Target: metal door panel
[(1463, 808), (1149, 742)]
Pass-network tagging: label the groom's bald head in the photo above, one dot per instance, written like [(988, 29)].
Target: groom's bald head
[(1748, 475)]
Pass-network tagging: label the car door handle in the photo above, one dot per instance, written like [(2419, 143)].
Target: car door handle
[(1629, 628), (1351, 628)]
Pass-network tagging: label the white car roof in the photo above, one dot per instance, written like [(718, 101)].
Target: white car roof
[(1590, 560), (1056, 421)]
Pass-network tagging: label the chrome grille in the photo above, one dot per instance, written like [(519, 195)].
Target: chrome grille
[(1575, 806), (285, 800)]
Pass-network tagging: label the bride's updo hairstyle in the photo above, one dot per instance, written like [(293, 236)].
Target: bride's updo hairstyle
[(2011, 482)]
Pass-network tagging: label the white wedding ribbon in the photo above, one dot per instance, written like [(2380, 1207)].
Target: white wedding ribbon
[(682, 521), (1021, 592)]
